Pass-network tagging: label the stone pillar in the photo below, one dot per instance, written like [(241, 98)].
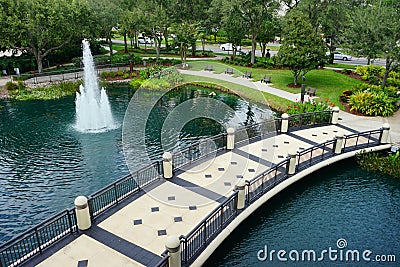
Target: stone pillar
[(292, 162), (230, 138), (167, 165), (335, 115), (285, 123), (339, 143), (173, 245), (240, 186), (82, 213), (385, 133)]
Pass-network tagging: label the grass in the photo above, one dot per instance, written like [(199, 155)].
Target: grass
[(276, 103), (330, 84)]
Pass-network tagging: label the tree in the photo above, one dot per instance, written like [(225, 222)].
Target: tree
[(154, 17), (41, 26), (254, 12), (186, 34), (375, 29), (236, 28), (105, 15), (270, 28), (302, 48)]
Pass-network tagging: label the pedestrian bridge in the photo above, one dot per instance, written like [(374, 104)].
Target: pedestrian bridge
[(192, 199)]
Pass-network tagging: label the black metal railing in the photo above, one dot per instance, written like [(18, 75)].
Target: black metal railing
[(35, 240), (199, 150), (196, 241), (112, 194), (319, 118), (68, 74), (362, 140), (315, 154)]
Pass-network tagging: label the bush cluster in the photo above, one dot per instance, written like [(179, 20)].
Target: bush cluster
[(260, 62), (372, 100), (309, 106), (377, 162)]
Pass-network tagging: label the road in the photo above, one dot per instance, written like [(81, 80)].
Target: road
[(215, 48)]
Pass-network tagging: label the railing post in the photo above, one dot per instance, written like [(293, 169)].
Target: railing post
[(285, 123), (173, 246), (82, 213), (292, 162), (230, 138), (385, 133), (339, 144), (167, 165), (240, 186), (335, 115)]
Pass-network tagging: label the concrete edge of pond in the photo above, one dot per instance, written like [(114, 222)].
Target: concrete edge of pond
[(203, 257)]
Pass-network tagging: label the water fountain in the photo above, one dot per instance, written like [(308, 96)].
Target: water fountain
[(93, 111)]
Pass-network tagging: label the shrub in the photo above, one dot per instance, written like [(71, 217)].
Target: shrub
[(11, 86), (374, 161), (125, 75), (136, 83), (309, 106), (104, 75), (120, 73), (111, 74), (345, 96), (393, 82), (370, 70), (372, 103)]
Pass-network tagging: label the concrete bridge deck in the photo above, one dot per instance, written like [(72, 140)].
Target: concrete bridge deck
[(134, 233)]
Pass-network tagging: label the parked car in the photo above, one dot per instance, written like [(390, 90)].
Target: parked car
[(340, 56), (229, 47), (145, 40)]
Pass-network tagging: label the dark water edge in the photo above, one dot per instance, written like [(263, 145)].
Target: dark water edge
[(340, 201)]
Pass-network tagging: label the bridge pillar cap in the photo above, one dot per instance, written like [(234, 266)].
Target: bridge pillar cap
[(167, 156), (241, 183), (172, 242), (230, 130), (80, 200), (292, 152), (336, 109), (285, 116), (386, 126), (339, 135)]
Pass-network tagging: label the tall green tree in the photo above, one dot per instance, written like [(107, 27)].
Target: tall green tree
[(375, 29), (302, 48), (269, 29), (104, 16), (186, 34), (236, 28), (254, 12), (41, 26)]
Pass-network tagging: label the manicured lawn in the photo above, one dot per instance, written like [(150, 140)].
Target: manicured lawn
[(275, 102), (330, 84)]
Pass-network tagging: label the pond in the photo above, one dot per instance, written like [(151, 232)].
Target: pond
[(340, 202), (45, 163)]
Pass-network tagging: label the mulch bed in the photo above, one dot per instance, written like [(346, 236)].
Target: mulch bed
[(351, 75), (292, 85)]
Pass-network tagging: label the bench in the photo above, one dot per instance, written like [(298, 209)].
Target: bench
[(311, 91), (266, 79), (247, 74), (209, 68), (229, 71)]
